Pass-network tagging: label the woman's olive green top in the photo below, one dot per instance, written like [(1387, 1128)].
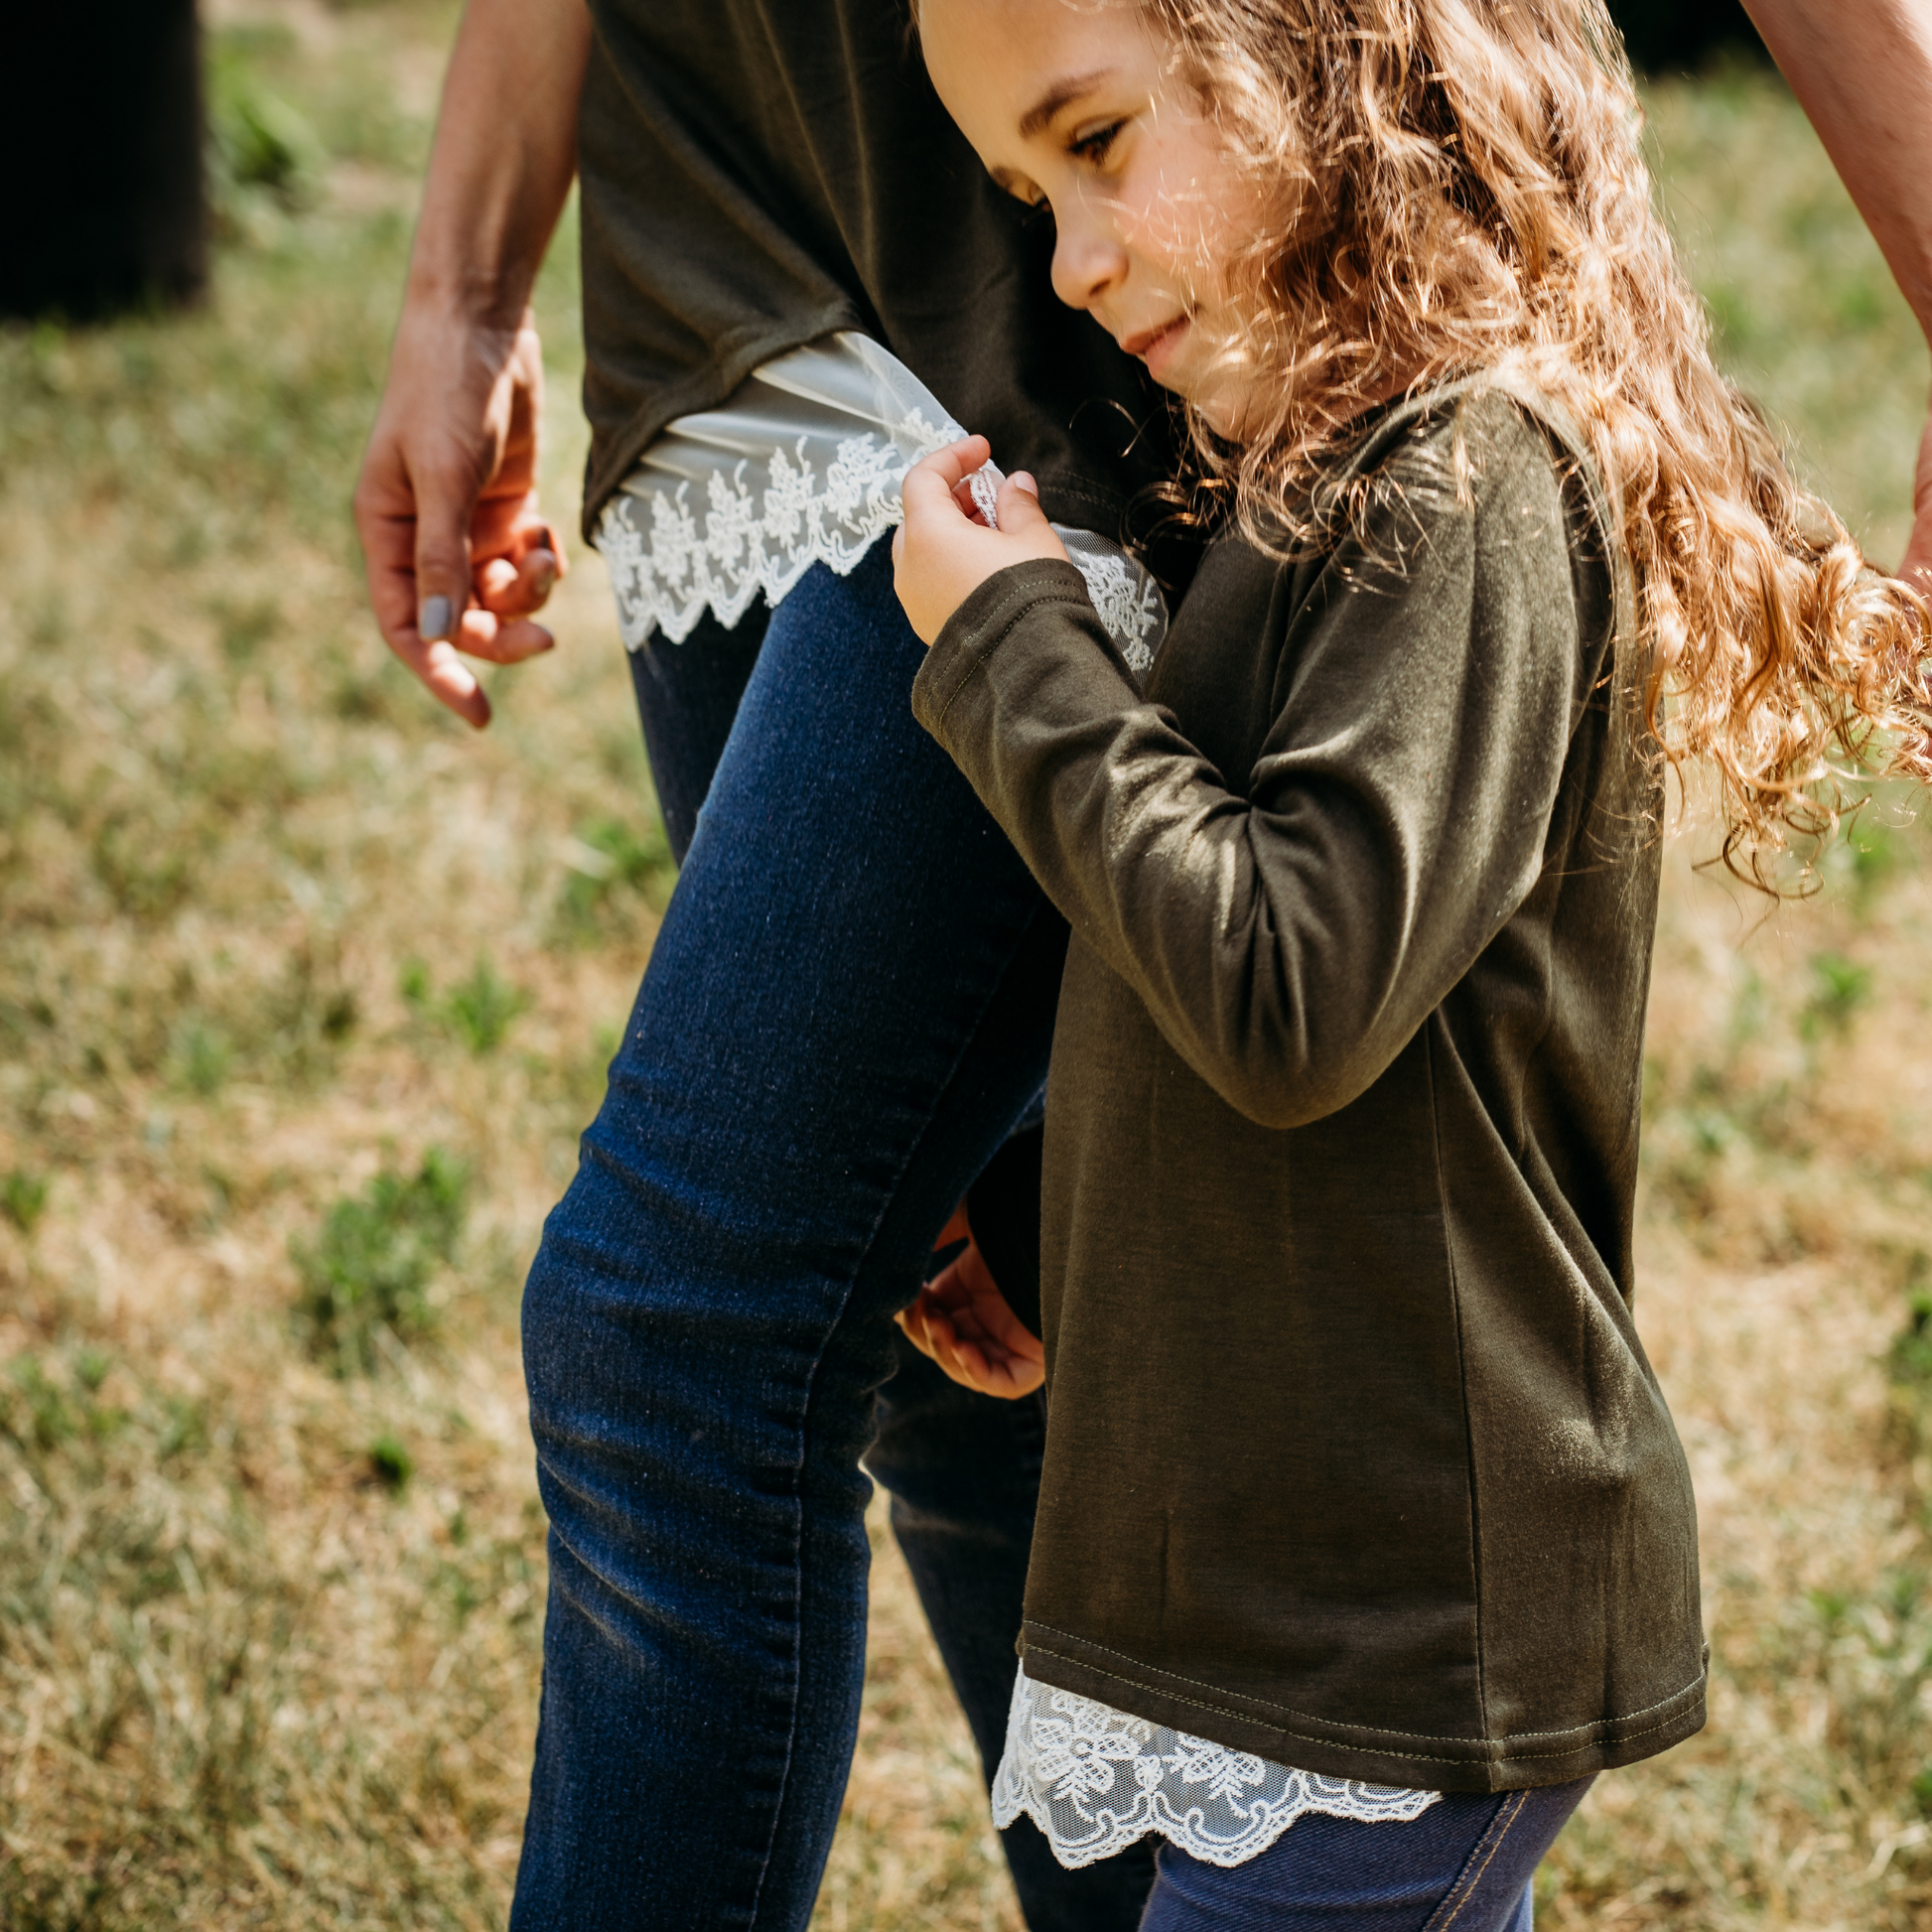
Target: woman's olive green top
[(1355, 1459), (760, 173)]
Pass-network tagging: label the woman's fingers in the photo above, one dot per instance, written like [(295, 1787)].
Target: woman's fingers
[(520, 579), (501, 640), (388, 510)]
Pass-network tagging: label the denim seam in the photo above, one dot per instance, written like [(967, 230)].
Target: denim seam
[(1500, 1828), (811, 1394), (1579, 1731)]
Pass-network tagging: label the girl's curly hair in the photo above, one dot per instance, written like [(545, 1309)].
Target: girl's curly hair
[(1458, 184)]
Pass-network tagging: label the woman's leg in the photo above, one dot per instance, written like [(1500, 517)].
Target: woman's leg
[(963, 1470), (1464, 1865), (849, 1004), (688, 696)]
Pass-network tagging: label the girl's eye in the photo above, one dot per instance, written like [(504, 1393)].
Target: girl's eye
[(1094, 147)]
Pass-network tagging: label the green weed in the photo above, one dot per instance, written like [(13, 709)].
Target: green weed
[(200, 1056), (392, 1463), (414, 983), (23, 1199), (258, 141), (609, 862), (1840, 987), (369, 1267), (479, 1009)]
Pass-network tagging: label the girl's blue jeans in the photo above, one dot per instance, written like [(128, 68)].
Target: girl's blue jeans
[(848, 1005), (1464, 1865)]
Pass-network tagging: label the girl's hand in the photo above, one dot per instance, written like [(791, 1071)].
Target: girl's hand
[(961, 1320), (941, 554)]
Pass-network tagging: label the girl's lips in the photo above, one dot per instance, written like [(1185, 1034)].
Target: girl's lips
[(1154, 346)]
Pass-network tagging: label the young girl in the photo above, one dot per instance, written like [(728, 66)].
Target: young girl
[(1365, 1539)]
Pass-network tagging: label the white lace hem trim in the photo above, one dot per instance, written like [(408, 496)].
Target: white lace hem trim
[(1094, 1779), (802, 467)]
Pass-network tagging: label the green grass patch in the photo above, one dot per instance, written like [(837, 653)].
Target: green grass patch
[(368, 1269), (23, 1199)]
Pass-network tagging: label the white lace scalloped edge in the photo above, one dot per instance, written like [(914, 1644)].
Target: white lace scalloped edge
[(804, 465), (1094, 1779), (741, 545), (666, 580)]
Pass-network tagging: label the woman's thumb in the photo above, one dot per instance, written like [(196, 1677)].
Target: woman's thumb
[(442, 561)]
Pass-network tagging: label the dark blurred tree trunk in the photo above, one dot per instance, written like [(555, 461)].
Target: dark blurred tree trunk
[(1665, 36), (102, 139)]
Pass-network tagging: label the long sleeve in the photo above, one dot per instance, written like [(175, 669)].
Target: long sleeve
[(1290, 926)]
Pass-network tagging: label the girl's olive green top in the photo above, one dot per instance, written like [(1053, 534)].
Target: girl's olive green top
[(1355, 1459)]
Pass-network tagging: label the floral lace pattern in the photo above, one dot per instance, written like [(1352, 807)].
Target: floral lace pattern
[(801, 466), (1094, 1779)]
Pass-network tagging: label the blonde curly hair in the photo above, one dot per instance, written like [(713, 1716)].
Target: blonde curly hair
[(1459, 186)]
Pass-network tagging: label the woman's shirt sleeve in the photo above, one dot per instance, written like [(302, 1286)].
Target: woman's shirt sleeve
[(1290, 928)]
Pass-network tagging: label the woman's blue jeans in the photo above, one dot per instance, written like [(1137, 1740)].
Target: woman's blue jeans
[(848, 1005)]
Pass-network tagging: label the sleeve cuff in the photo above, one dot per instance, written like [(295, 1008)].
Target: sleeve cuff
[(987, 619)]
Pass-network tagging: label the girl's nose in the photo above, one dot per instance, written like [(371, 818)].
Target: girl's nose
[(1087, 264)]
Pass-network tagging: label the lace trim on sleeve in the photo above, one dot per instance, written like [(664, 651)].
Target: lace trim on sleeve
[(804, 466), (1094, 1779)]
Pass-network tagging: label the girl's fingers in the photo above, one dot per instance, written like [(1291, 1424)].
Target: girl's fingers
[(913, 1327), (957, 461), (955, 1228), (1017, 504), (1022, 1344), (929, 486)]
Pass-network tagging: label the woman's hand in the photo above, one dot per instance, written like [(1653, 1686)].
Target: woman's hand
[(459, 555), (942, 553), (961, 1320)]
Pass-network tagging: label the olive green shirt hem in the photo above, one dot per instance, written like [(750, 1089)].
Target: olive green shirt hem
[(1404, 1759)]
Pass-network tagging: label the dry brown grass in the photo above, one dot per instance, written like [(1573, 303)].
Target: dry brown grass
[(270, 1635)]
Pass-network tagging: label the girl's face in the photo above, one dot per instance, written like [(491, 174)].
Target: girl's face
[(1072, 105)]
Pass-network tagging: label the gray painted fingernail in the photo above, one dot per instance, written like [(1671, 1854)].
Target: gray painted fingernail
[(433, 621)]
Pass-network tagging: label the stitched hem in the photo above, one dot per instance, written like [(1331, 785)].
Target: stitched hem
[(1341, 1749), (982, 624)]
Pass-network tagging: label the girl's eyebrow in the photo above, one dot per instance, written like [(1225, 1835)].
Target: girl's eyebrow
[(1041, 114)]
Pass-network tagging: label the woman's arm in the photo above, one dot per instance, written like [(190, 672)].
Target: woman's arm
[(1863, 70), (457, 551)]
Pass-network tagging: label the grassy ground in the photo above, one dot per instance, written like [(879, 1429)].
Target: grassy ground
[(305, 994)]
